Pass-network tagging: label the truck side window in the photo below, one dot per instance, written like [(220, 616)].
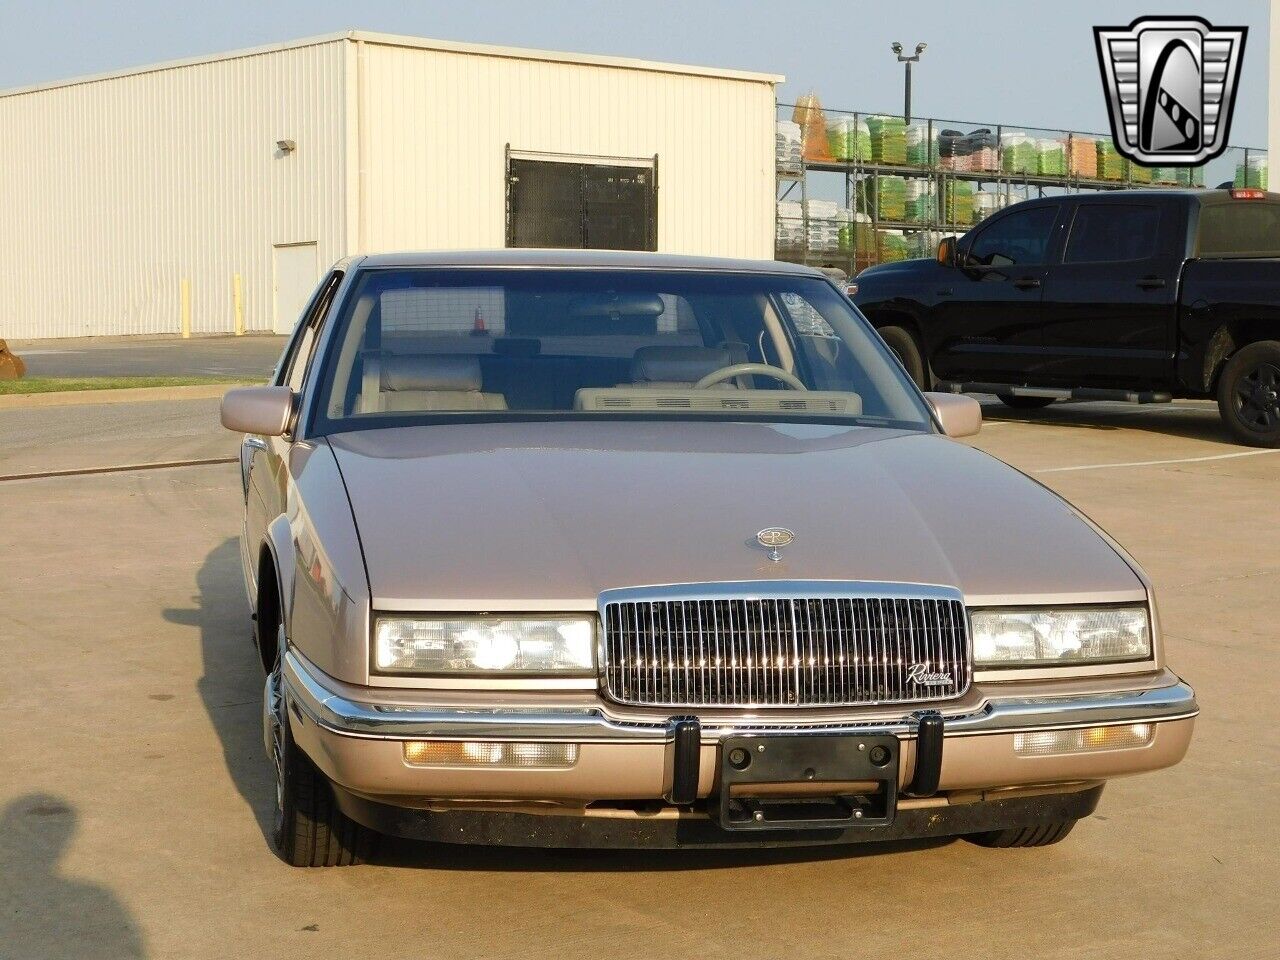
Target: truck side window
[(1020, 238), (1109, 232)]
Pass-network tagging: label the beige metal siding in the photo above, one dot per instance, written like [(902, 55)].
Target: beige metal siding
[(435, 124), (113, 191), (1273, 95)]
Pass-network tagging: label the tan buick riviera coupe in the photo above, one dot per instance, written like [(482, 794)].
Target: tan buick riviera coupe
[(584, 549)]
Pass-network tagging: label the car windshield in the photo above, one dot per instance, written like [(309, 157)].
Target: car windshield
[(429, 345)]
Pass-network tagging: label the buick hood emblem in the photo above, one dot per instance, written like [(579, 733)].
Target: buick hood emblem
[(774, 539)]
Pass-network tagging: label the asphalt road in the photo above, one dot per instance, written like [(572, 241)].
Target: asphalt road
[(135, 799), (250, 356)]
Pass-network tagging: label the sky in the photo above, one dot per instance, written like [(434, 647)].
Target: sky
[(1029, 63)]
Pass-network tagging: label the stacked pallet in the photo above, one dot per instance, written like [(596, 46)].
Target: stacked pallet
[(824, 224), (885, 196), (849, 139), (1051, 158), (856, 233), (789, 232), (957, 202), (888, 139), (922, 148), (921, 201), (1110, 163), (1252, 173), (1082, 157), (1018, 153), (787, 148)]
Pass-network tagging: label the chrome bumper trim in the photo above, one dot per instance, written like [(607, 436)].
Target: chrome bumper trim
[(998, 715)]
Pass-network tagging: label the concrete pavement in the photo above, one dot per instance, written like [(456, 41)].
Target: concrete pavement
[(136, 800), (252, 356)]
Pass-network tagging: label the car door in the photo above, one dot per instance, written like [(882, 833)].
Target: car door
[(989, 306), (263, 459), (1110, 305)]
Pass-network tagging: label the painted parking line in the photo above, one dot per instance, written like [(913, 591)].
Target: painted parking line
[(118, 468), (1157, 463)]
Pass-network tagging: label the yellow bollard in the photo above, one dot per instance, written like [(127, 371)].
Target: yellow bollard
[(237, 300), (186, 309)]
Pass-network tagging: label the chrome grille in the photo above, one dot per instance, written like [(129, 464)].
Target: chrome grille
[(681, 647)]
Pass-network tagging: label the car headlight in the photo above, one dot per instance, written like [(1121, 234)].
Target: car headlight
[(481, 645), (1060, 637)]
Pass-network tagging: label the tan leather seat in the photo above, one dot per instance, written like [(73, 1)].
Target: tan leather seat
[(424, 382), (662, 367)]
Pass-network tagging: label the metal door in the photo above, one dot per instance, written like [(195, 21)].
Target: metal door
[(295, 272)]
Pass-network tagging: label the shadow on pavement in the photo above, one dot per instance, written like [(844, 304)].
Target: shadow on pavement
[(46, 913), (444, 856), (231, 684), (231, 689), (1175, 420)]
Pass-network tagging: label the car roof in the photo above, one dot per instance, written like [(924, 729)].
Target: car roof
[(1198, 195), (619, 259)]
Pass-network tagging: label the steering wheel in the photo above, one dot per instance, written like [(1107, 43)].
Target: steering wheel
[(741, 369)]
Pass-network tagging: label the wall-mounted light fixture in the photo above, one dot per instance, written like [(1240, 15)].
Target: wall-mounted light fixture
[(286, 146)]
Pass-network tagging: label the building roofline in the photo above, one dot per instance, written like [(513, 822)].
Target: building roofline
[(417, 43)]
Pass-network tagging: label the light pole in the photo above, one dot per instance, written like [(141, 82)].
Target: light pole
[(903, 58)]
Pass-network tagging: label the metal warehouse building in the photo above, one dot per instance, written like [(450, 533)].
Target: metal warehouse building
[(210, 194)]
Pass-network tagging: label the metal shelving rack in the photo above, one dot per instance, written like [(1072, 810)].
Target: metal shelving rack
[(857, 171)]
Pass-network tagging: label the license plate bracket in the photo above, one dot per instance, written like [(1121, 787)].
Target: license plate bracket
[(807, 781)]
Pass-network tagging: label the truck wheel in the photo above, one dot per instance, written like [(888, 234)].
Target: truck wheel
[(1039, 835), (1249, 394), (309, 830), (1024, 403), (904, 345)]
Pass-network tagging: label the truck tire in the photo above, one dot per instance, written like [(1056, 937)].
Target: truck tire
[(1249, 394), (1024, 403), (907, 350), (1039, 835)]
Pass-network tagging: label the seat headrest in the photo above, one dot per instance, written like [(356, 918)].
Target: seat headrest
[(425, 371), (683, 364)]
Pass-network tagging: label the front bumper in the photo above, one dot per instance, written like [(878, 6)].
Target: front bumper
[(359, 744)]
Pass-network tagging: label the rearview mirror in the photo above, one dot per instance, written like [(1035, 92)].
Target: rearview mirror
[(958, 416), (265, 411), (947, 251)]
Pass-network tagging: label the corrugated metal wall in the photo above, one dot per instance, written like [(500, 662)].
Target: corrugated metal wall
[(112, 191), (434, 126)]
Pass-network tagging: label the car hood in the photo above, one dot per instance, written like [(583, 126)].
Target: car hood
[(544, 516)]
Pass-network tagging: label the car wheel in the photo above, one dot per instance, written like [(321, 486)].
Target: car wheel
[(1249, 394), (309, 830), (1039, 835), (1024, 403), (907, 350)]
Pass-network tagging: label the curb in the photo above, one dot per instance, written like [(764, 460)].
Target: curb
[(71, 398)]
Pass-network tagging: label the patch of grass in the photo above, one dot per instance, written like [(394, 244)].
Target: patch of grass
[(61, 384)]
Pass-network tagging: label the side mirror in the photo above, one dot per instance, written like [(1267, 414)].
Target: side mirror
[(947, 251), (265, 411), (959, 416)]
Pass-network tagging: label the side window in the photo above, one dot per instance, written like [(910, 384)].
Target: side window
[(1110, 232), (295, 363), (1020, 238)]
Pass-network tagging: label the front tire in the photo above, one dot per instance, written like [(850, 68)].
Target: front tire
[(907, 350), (1037, 835), (1249, 394), (308, 830), (1024, 403)]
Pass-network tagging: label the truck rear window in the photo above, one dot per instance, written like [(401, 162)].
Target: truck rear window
[(1242, 228)]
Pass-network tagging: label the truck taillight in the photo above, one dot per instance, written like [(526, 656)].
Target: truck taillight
[(1248, 194)]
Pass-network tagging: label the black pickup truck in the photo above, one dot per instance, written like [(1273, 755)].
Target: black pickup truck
[(1139, 295)]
